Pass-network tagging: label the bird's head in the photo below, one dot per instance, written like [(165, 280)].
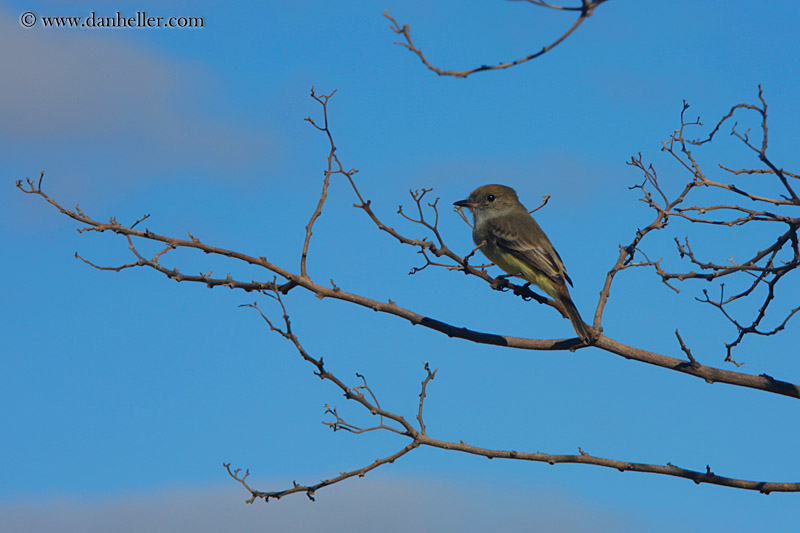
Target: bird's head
[(490, 200)]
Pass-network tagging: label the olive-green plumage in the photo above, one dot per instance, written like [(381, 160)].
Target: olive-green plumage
[(513, 241)]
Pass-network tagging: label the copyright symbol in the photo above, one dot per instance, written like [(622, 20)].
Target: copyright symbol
[(28, 19)]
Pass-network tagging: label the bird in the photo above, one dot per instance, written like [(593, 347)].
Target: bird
[(510, 238)]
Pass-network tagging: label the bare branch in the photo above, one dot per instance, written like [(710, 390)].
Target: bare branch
[(545, 199), (540, 3), (421, 438), (460, 212), (140, 220), (354, 393), (763, 267), (709, 374), (586, 10), (310, 490), (332, 158), (423, 394), (685, 349)]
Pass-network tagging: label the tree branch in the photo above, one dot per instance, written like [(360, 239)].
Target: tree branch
[(438, 249), (421, 438), (764, 268), (586, 10)]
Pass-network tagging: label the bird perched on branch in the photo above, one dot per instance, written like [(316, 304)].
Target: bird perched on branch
[(509, 236)]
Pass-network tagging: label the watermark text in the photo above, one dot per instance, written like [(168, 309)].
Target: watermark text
[(142, 19)]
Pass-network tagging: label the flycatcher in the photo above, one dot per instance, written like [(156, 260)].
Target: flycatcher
[(512, 240)]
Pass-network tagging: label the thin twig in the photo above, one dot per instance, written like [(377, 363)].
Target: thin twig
[(586, 10)]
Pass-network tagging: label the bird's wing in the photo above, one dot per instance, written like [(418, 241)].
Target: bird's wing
[(523, 237)]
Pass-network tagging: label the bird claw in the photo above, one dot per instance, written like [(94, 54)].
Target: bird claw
[(500, 283)]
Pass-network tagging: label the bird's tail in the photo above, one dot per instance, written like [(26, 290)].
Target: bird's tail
[(585, 332)]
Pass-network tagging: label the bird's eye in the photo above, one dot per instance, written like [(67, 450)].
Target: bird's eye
[(490, 197)]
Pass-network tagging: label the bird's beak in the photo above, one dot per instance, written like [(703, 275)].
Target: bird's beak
[(465, 203)]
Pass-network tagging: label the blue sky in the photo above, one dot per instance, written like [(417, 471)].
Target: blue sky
[(124, 393)]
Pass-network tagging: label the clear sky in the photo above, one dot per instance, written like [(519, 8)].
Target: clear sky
[(122, 394)]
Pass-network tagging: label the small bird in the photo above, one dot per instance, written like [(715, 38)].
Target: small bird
[(510, 237)]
